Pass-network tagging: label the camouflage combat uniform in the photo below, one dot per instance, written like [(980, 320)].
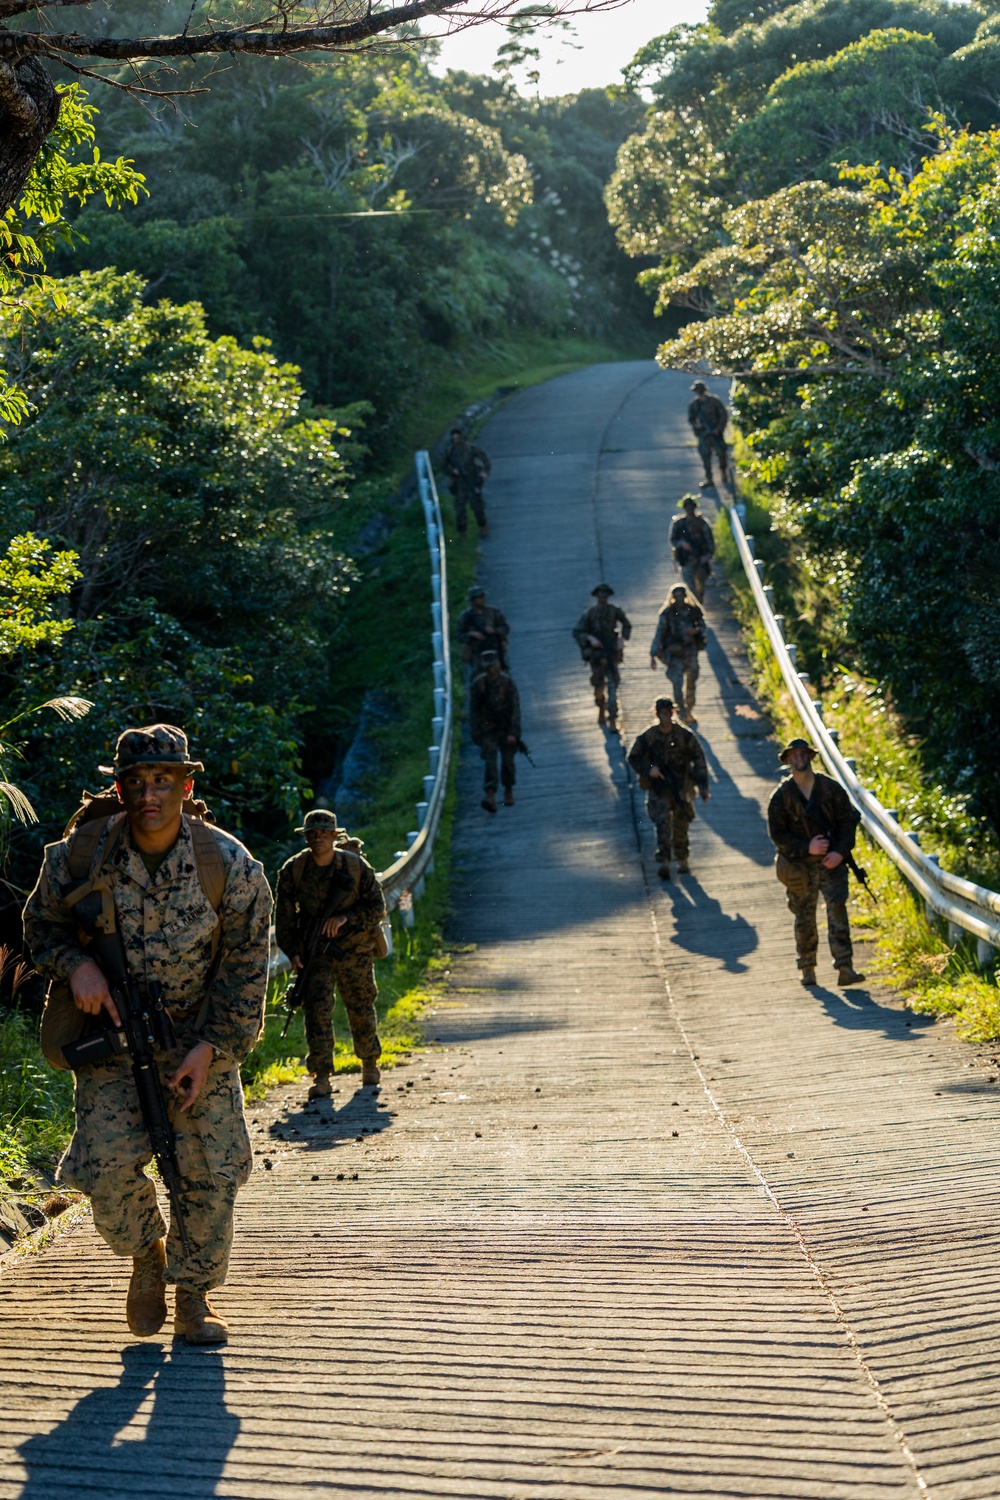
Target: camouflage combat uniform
[(491, 623), (166, 924), (670, 802), (691, 538), (680, 635), (494, 714), (792, 823), (603, 621), (708, 418), (467, 468), (350, 969)]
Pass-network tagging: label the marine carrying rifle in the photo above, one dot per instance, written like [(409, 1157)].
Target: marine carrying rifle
[(146, 1028), (522, 749), (314, 945)]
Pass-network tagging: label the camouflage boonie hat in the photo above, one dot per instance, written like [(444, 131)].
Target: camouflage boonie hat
[(699, 385), (691, 500), (477, 591), (796, 744), (318, 820), (662, 703), (603, 588), (153, 745)]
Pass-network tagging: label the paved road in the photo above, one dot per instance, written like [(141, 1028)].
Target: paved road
[(653, 1221)]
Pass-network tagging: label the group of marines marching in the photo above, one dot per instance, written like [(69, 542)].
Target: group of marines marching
[(190, 910)]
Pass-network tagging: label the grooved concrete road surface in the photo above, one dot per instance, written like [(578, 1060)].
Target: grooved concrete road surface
[(654, 1221)]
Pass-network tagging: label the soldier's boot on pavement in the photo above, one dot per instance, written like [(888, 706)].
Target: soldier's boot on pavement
[(321, 1087), (847, 974), (489, 802), (808, 977), (508, 796), (683, 868), (146, 1304), (602, 709), (196, 1320), (370, 1074)]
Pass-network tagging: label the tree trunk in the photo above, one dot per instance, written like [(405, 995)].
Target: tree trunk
[(29, 108)]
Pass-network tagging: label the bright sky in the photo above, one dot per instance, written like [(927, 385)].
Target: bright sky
[(607, 41)]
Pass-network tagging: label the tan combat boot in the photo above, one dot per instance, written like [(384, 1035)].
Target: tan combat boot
[(683, 868), (146, 1304), (847, 975), (196, 1320), (321, 1087), (808, 978), (371, 1074)]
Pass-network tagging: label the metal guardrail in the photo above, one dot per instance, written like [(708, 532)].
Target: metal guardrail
[(403, 881), (965, 906)]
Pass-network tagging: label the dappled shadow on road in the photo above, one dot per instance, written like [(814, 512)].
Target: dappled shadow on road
[(701, 926), (180, 1444)]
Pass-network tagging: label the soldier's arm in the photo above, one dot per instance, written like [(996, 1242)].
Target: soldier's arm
[(236, 998), (625, 623), (698, 764), (659, 639), (582, 630), (286, 912), (515, 711), (50, 933), (638, 757), (500, 624), (779, 826), (843, 824)]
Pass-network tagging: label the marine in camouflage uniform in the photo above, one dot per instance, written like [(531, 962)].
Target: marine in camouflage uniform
[(680, 636), (609, 627), (707, 417), (167, 927), (467, 468), (694, 547), (812, 826), (482, 627), (495, 726), (675, 753), (335, 874)]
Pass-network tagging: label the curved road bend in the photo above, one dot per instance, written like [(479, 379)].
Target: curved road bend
[(655, 1221)]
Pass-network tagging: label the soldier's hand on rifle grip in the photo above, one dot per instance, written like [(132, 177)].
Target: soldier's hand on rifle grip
[(90, 991), (189, 1080), (832, 860), (332, 925)]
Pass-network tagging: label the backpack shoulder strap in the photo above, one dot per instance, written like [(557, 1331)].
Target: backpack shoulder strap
[(208, 858), (83, 842), (297, 869), (352, 863)]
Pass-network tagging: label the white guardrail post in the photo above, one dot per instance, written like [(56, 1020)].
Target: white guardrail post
[(966, 907), (403, 881)]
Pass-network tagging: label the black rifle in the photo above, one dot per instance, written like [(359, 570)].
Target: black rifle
[(860, 875), (669, 779), (146, 1027), (523, 750)]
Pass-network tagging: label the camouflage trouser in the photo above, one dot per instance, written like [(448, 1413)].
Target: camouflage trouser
[(802, 904), (492, 751), (604, 679), (695, 575), (354, 977), (467, 492), (671, 817), (110, 1150), (682, 669), (709, 443)]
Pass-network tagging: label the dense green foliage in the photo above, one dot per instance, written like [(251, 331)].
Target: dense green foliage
[(372, 219), (841, 253)]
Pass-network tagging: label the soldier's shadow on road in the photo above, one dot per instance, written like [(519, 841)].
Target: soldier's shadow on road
[(324, 1124), (180, 1445), (701, 926), (856, 1010)]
